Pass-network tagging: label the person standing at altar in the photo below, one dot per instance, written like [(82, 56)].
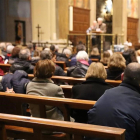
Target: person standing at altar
[(101, 26), (90, 30), (101, 29)]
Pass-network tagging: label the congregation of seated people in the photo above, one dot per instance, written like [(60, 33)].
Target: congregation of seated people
[(115, 107)]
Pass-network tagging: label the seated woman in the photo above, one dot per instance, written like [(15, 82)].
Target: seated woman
[(42, 85), (105, 59), (48, 55), (92, 89), (116, 66), (95, 54), (81, 67), (14, 55)]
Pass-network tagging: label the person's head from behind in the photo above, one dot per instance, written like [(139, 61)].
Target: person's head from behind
[(36, 53), (30, 47), (45, 55), (94, 23), (116, 61), (100, 21), (95, 51), (132, 73), (82, 55), (52, 48), (80, 47), (24, 54), (44, 69), (15, 52), (138, 52), (9, 49), (96, 70), (106, 57), (3, 46), (67, 52)]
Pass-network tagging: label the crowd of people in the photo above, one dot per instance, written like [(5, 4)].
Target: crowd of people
[(115, 107)]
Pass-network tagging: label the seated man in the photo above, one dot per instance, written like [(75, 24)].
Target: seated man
[(120, 106), (23, 62), (79, 47)]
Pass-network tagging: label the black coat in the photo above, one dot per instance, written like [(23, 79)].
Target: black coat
[(95, 57), (91, 89), (22, 65), (119, 107), (59, 71), (63, 58), (114, 74), (78, 71)]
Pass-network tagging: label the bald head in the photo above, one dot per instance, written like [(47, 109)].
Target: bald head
[(132, 72)]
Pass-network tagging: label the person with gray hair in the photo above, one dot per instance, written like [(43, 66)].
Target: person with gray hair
[(3, 48), (79, 71), (9, 50), (48, 55), (120, 106), (31, 48), (64, 56), (24, 62)]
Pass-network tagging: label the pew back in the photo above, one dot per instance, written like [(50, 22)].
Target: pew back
[(15, 101), (78, 130)]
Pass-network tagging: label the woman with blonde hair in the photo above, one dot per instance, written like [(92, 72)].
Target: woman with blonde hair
[(116, 66), (95, 54), (92, 89), (105, 59)]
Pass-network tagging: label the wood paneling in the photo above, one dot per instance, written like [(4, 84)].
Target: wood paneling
[(132, 30), (81, 22)]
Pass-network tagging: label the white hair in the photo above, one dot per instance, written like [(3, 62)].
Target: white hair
[(2, 46), (67, 52), (24, 54), (82, 55), (100, 19), (9, 48), (47, 49), (56, 47)]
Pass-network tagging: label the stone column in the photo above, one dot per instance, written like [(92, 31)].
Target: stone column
[(120, 18), (92, 11), (43, 13)]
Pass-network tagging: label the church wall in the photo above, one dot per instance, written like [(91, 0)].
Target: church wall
[(16, 11), (2, 21)]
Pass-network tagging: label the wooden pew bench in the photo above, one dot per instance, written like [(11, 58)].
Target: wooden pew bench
[(11, 104), (31, 129), (62, 64), (72, 80), (5, 67)]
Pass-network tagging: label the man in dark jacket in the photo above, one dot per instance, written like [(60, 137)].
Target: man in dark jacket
[(23, 62), (120, 106)]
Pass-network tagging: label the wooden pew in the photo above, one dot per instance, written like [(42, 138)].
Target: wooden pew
[(72, 80), (94, 60), (8, 100), (62, 64), (35, 126), (5, 67)]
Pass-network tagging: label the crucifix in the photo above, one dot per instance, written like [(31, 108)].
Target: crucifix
[(38, 27)]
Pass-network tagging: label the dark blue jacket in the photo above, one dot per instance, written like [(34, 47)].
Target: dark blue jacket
[(7, 81), (16, 81), (20, 78), (119, 107)]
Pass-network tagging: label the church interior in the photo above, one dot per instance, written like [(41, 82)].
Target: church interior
[(69, 70)]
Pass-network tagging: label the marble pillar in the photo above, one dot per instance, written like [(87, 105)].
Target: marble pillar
[(92, 11), (120, 18)]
